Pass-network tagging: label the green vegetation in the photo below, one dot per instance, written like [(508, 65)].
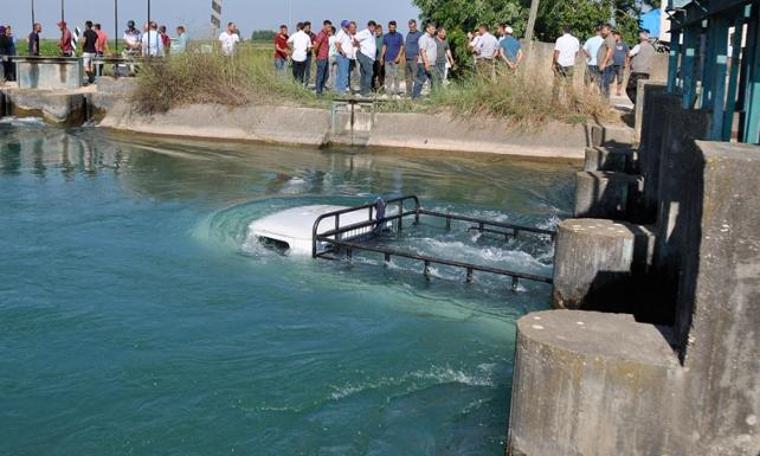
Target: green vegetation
[(250, 78), (263, 35), (462, 16), (197, 77)]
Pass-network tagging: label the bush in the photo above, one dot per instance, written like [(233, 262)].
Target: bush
[(209, 77), (520, 98)]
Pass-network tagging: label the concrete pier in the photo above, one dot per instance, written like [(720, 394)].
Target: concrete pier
[(42, 73), (596, 261), (682, 379), (604, 194)]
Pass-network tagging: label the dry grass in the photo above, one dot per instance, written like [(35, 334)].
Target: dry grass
[(250, 78), (204, 78), (521, 98)]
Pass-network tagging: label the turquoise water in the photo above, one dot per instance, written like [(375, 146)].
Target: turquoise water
[(138, 317)]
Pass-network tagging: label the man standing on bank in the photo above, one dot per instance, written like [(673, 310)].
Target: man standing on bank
[(566, 50), (605, 57), (300, 45), (412, 54), (322, 52), (34, 39), (641, 56), (367, 44), (89, 51), (426, 70), (392, 55)]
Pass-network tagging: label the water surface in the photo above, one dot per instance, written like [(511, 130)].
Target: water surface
[(138, 317)]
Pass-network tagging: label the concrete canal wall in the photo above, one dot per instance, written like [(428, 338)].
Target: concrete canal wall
[(107, 105), (653, 348)]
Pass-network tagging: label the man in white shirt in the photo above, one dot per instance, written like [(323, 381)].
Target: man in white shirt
[(566, 50), (300, 45), (152, 46), (426, 70), (591, 49), (344, 47), (367, 44), (229, 39), (486, 49)]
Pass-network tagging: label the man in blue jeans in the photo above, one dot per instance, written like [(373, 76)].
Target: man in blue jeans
[(322, 51), (412, 54), (605, 59), (428, 55), (344, 46), (367, 43)]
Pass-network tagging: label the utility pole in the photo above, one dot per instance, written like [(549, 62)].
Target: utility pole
[(290, 13), (116, 23), (34, 20), (63, 8), (531, 22)]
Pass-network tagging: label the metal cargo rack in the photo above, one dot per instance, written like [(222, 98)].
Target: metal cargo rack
[(336, 239)]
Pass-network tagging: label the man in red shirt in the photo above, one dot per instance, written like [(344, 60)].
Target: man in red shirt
[(65, 44), (281, 49), (322, 51), (101, 47)]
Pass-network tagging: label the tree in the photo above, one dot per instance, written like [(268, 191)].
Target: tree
[(263, 35), (461, 16)]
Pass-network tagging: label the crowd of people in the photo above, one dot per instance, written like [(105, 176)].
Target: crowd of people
[(384, 59), (608, 58)]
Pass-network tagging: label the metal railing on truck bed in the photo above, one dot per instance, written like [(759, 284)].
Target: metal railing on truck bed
[(350, 238)]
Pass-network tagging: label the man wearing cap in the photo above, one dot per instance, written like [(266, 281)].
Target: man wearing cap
[(412, 54), (510, 49), (132, 42), (344, 46), (67, 50), (641, 56)]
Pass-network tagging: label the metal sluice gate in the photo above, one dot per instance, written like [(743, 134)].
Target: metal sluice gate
[(350, 238)]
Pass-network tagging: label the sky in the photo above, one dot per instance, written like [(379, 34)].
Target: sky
[(195, 14)]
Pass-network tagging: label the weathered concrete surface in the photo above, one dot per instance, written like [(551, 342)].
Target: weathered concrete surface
[(306, 126), (62, 108), (604, 194), (680, 164), (596, 261), (120, 86), (287, 125), (645, 87), (657, 106), (63, 74), (589, 383), (614, 136), (606, 159), (719, 300)]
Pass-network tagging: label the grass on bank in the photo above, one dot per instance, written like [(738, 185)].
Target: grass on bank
[(250, 78)]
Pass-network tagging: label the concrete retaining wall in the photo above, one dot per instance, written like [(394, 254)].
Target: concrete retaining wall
[(311, 127), (57, 74)]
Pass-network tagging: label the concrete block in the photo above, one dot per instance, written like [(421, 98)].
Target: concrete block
[(596, 261), (603, 194), (605, 159), (54, 107), (49, 74), (657, 104), (589, 383), (645, 87), (120, 86), (615, 136), (718, 309), (680, 165)]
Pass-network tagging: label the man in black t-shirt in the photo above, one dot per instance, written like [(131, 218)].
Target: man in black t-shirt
[(34, 39), (89, 50)]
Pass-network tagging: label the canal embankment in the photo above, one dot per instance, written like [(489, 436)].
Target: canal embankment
[(108, 105)]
